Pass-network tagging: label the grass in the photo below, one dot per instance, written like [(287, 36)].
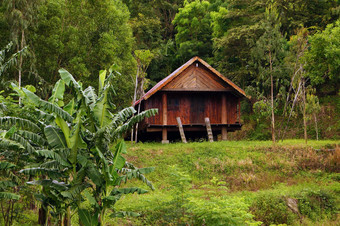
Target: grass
[(232, 183), (188, 176)]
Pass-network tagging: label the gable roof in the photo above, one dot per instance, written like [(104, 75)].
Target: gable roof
[(179, 70)]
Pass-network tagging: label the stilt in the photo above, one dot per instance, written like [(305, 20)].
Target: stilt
[(181, 130), (209, 131), (224, 133), (165, 136)]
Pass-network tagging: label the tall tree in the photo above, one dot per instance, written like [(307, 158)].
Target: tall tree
[(322, 59), (85, 36), (193, 36), (20, 16), (268, 55), (235, 25)]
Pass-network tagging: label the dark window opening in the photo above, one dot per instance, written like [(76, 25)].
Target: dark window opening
[(173, 104)]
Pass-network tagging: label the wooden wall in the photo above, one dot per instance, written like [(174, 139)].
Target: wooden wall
[(193, 107)]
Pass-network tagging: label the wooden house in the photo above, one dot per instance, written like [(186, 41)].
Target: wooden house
[(193, 92)]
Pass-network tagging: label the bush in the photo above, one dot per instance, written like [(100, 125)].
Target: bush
[(220, 211), (272, 209), (317, 205)]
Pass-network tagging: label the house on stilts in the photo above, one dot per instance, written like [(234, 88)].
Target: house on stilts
[(189, 95)]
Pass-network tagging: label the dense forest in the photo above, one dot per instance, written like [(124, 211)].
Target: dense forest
[(71, 69), (284, 54)]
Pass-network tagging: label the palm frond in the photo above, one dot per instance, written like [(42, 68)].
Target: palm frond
[(32, 137), (54, 156), (7, 144), (9, 196), (6, 165), (91, 95), (132, 121), (75, 191), (21, 123), (58, 91), (53, 173), (50, 107), (6, 184), (138, 174), (23, 142), (60, 186), (55, 137)]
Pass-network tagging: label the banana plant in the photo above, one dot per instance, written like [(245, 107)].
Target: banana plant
[(76, 161)]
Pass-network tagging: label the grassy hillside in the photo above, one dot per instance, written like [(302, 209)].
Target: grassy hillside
[(237, 183)]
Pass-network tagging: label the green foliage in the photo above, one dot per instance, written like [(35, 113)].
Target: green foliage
[(193, 36), (323, 56), (317, 204), (72, 150), (225, 174), (268, 55), (220, 211), (272, 209)]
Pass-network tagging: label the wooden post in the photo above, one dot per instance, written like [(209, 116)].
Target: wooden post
[(165, 119), (181, 131), (224, 117), (239, 111), (165, 136), (209, 131)]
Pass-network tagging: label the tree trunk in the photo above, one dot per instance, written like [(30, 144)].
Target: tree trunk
[(136, 132), (304, 110), (42, 215), (272, 96), (21, 61), (316, 127), (135, 98)]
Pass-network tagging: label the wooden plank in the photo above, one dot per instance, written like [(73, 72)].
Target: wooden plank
[(168, 79), (239, 111), (181, 130), (209, 131), (224, 116), (165, 109), (223, 78)]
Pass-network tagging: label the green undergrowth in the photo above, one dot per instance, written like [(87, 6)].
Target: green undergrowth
[(237, 183)]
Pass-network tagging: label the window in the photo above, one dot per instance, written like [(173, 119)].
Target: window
[(173, 104)]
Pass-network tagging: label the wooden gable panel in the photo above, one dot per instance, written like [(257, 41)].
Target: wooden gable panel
[(197, 77)]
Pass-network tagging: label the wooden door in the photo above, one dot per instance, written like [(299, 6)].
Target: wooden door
[(197, 106)]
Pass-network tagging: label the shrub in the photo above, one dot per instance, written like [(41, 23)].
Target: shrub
[(317, 205), (220, 211), (272, 209)]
